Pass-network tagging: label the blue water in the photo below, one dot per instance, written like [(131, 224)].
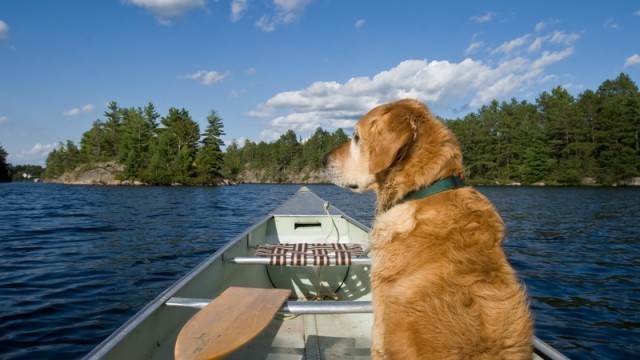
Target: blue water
[(76, 262)]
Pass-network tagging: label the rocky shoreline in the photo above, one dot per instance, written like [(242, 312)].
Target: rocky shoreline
[(108, 173), (101, 173)]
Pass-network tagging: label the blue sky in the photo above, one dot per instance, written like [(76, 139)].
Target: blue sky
[(267, 66)]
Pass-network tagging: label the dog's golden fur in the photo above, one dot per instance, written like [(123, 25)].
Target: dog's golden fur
[(442, 286)]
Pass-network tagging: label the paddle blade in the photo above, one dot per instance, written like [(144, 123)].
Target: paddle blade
[(228, 322)]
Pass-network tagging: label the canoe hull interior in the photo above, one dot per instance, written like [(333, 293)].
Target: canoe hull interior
[(151, 334)]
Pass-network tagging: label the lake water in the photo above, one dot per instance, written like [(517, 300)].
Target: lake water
[(76, 262)]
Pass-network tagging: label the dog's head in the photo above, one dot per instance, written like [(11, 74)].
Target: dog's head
[(396, 148)]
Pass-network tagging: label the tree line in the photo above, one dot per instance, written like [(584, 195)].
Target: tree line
[(159, 153), (558, 139), (276, 161)]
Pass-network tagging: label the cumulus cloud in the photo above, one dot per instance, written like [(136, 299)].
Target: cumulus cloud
[(632, 60), (164, 10), (360, 23), (238, 7), (77, 111), (286, 12), (4, 31), (205, 77), (444, 86), (488, 16)]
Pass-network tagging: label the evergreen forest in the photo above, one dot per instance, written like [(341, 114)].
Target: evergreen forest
[(559, 139)]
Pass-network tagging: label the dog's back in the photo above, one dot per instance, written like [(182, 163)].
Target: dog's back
[(449, 290)]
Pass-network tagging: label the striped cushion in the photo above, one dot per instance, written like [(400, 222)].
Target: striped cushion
[(309, 254)]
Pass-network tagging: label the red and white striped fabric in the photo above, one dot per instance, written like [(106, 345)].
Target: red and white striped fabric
[(310, 254)]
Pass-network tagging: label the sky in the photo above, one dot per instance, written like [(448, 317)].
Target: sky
[(267, 66)]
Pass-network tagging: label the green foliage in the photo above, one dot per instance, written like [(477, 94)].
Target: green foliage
[(64, 157), (278, 160), (4, 167), (160, 154), (559, 140), (210, 158), (26, 173)]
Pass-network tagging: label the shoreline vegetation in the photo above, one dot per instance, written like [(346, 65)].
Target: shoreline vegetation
[(559, 140)]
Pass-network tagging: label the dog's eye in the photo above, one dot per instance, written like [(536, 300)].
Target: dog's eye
[(356, 138)]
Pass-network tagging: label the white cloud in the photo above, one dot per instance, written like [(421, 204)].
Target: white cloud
[(636, 13), (545, 24), (559, 37), (236, 93), (473, 47), (238, 7), (360, 23), (611, 24), (536, 45), (444, 86), (207, 77), (164, 10), (511, 45), (488, 16), (632, 60), (4, 31), (551, 57), (77, 111), (4, 120), (36, 155), (286, 12)]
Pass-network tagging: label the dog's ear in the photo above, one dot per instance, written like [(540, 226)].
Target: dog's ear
[(393, 132)]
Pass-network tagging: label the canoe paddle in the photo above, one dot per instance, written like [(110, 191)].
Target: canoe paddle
[(228, 322)]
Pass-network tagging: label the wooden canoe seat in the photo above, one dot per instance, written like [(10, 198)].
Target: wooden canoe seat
[(303, 254), (228, 322)]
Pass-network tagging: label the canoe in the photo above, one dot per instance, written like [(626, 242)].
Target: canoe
[(327, 316)]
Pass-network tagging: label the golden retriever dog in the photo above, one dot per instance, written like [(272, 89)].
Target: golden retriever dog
[(442, 287)]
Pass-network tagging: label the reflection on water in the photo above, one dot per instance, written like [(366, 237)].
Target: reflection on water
[(76, 262)]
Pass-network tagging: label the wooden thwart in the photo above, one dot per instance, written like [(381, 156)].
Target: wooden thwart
[(228, 322)]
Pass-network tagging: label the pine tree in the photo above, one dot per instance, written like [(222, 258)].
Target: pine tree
[(111, 127), (210, 158)]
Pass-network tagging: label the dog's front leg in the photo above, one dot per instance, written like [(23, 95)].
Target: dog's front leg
[(377, 334)]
